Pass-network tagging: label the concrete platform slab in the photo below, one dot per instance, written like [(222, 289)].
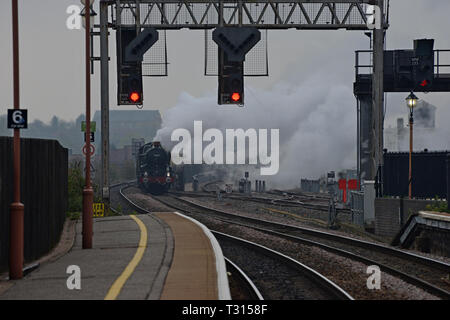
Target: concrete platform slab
[(115, 243), (194, 274), (153, 256)]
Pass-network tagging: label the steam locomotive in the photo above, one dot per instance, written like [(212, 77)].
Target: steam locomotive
[(154, 172)]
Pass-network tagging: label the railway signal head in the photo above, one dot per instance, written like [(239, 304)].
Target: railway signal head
[(235, 96), (135, 50), (130, 86), (135, 97), (231, 89), (236, 41), (129, 72), (424, 71), (231, 80), (233, 44)]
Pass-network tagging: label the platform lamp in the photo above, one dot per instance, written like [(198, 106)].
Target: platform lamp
[(411, 102)]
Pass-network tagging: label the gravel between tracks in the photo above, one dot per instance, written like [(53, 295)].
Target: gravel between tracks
[(350, 275), (300, 217), (274, 279)]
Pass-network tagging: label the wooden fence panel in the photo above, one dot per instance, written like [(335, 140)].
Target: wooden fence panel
[(44, 193)]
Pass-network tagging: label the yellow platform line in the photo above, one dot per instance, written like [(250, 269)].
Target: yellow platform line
[(120, 281)]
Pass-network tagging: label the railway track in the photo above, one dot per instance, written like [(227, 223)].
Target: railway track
[(320, 196), (316, 202), (278, 276), (283, 278), (120, 204), (241, 286), (428, 274)]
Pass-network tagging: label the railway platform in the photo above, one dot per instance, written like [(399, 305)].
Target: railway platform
[(163, 255), (426, 231)]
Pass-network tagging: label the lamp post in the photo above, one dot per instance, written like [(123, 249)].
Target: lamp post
[(411, 102), (16, 245), (88, 192)]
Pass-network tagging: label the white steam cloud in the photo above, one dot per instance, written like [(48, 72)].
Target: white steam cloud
[(316, 122)]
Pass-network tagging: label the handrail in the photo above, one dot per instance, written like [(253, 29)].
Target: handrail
[(438, 66)]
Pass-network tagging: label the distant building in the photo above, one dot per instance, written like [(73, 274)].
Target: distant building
[(121, 155), (397, 139), (124, 125), (136, 144)]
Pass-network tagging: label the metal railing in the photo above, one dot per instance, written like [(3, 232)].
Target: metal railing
[(310, 185), (366, 55), (437, 65)]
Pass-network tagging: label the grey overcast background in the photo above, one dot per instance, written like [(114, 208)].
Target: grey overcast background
[(52, 71), (308, 94)]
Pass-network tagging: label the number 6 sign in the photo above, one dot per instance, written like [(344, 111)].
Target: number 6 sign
[(17, 119)]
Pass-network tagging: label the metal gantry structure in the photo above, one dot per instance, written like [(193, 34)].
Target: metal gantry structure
[(261, 14), (400, 75)]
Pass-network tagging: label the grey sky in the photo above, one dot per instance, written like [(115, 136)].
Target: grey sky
[(52, 72)]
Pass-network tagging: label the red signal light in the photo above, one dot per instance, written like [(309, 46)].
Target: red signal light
[(424, 83), (135, 97), (235, 96)]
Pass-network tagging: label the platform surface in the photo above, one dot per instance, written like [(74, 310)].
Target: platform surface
[(174, 260), (193, 272)]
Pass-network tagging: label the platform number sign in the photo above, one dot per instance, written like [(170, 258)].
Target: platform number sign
[(92, 139), (17, 119)]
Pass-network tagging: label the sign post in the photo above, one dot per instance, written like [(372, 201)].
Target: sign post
[(343, 186), (88, 192), (18, 120)]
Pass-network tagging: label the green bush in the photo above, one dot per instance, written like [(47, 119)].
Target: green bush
[(73, 215), (76, 185), (439, 206)]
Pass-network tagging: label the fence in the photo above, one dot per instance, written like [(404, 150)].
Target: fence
[(310, 185), (44, 193), (357, 207), (430, 172)]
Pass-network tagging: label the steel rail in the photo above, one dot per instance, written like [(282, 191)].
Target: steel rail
[(330, 236), (322, 281), (282, 202), (126, 185), (250, 286), (433, 289), (383, 267), (226, 217)]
